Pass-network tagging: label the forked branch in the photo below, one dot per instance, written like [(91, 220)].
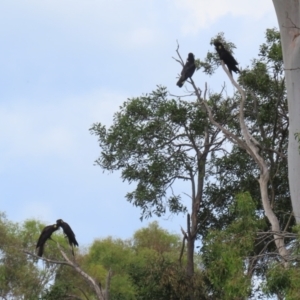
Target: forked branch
[(101, 295)]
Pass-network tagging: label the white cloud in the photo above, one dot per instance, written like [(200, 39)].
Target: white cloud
[(54, 129), (195, 14), (140, 37), (37, 210), (29, 130), (120, 23)]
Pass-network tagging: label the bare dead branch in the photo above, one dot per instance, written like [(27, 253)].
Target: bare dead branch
[(189, 225), (52, 261), (75, 266), (185, 237), (177, 51), (288, 222), (88, 278), (277, 152), (251, 145), (73, 297), (183, 232)]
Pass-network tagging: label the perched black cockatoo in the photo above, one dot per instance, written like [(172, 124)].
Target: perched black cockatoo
[(45, 235), (227, 57), (188, 70), (68, 232)]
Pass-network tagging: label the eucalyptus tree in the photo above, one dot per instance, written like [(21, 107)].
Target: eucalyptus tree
[(156, 141), (20, 275), (142, 267), (288, 15), (261, 170), (261, 139), (228, 253)]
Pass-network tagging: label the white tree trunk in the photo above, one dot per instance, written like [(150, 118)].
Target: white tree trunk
[(250, 144), (288, 15)]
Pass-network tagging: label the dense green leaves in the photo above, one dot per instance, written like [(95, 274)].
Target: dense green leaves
[(144, 267), (224, 251), (212, 60), (267, 120), (21, 277), (153, 141)]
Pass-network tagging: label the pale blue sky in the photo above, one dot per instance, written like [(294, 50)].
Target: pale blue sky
[(65, 64)]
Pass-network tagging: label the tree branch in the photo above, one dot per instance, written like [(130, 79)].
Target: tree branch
[(70, 263), (52, 261), (185, 237)]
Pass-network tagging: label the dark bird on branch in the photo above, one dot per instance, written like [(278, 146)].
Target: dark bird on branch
[(45, 235), (227, 57), (188, 70), (68, 232)]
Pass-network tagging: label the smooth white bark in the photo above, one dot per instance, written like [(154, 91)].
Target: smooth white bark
[(249, 144), (288, 15)]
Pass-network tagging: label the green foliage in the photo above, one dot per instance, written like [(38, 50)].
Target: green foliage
[(155, 238), (267, 119), (225, 250), (20, 275), (212, 60), (152, 141), (156, 141), (145, 267), (285, 281), (155, 270), (272, 50), (110, 253), (16, 272), (56, 292), (160, 277), (140, 269), (266, 116)]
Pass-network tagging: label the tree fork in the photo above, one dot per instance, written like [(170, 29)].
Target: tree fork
[(251, 146)]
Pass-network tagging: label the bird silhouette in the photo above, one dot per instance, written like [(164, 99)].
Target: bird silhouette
[(188, 70), (227, 57), (44, 236), (68, 232)]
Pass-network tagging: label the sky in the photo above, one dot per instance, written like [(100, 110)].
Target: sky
[(66, 64)]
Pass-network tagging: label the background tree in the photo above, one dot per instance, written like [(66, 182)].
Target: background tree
[(282, 282), (21, 276), (140, 268), (266, 116), (225, 251), (156, 141), (144, 267), (24, 275), (147, 130), (255, 120), (164, 278), (244, 136)]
